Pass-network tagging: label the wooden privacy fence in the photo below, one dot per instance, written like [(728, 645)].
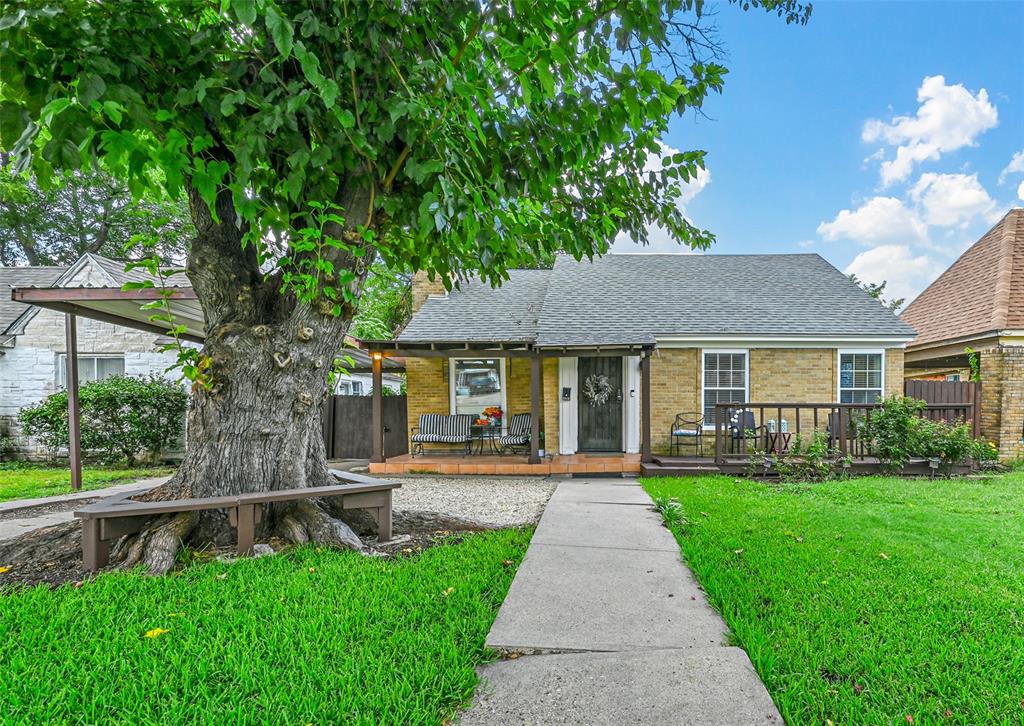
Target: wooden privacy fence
[(742, 429), (939, 393), (348, 426)]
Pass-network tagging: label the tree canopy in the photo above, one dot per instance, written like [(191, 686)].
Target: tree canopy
[(452, 136), (83, 211)]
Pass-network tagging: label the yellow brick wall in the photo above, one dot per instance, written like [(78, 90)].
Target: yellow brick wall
[(551, 397), (777, 375), (893, 371), (428, 390), (675, 388)]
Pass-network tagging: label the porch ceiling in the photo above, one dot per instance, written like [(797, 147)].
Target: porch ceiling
[(499, 349)]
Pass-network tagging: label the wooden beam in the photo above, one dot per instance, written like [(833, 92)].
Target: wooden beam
[(535, 410), (377, 424), (34, 295), (85, 312), (645, 408), (74, 414)]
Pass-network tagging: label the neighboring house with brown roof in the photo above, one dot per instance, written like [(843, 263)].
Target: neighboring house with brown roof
[(978, 303)]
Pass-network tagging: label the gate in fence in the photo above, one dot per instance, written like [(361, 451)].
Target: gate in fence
[(348, 426)]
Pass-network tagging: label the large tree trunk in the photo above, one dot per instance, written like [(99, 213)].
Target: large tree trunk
[(257, 427)]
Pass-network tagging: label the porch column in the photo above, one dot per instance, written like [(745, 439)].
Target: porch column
[(74, 415), (535, 410), (377, 424), (645, 407)]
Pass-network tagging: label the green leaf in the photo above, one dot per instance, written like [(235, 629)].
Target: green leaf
[(90, 88), (245, 10), (346, 119), (281, 31)]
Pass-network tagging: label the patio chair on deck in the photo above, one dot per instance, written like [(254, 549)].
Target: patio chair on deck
[(518, 436), (743, 428), (687, 428)]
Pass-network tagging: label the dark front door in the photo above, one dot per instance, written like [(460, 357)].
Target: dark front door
[(600, 404)]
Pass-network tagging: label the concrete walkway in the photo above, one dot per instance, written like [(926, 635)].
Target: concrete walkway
[(613, 626), (17, 525)]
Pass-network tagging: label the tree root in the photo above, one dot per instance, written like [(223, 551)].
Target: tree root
[(156, 547), (308, 522)]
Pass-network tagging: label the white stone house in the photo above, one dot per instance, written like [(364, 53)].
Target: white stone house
[(32, 343), (32, 340)]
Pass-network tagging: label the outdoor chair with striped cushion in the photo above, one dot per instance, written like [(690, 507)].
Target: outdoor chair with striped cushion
[(437, 428), (518, 433)]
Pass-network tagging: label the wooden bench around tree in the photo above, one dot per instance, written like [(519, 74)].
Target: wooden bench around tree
[(117, 516)]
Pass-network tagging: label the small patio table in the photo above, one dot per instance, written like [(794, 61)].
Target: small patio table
[(777, 442), (486, 434)]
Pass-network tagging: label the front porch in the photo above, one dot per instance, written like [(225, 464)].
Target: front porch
[(444, 463)]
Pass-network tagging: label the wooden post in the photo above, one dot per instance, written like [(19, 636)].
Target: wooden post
[(95, 552), (74, 415), (384, 520), (378, 407), (245, 526), (535, 410), (645, 408)]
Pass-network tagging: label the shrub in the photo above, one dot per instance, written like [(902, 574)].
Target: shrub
[(122, 417), (898, 433), (810, 459), (892, 428)]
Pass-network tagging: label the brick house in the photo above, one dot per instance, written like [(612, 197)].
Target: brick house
[(710, 328), (978, 303)]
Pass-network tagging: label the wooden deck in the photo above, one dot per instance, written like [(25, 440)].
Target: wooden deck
[(493, 465)]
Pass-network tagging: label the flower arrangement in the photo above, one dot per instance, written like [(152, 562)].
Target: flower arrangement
[(492, 414)]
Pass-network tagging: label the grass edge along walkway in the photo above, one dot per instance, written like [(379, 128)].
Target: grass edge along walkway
[(870, 601), (26, 481), (306, 636)]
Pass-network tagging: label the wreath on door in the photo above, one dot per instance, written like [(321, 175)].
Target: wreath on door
[(597, 389)]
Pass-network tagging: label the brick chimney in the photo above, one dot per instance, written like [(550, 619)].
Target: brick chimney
[(423, 287)]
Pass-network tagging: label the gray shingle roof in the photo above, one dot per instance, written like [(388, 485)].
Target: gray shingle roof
[(115, 268), (22, 277), (631, 299), (478, 312)]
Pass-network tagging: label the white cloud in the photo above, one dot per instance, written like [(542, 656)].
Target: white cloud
[(1020, 191), (948, 118), (880, 220), (658, 238), (948, 200), (1016, 166), (905, 274)]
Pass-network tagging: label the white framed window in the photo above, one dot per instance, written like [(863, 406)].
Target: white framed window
[(953, 377), (343, 388), (90, 367), (357, 388), (476, 383), (861, 376), (725, 378)]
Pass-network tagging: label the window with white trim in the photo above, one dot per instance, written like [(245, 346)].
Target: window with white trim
[(953, 377), (725, 380), (476, 384), (90, 368), (860, 377)]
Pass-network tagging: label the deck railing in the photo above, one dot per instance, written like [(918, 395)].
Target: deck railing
[(743, 429)]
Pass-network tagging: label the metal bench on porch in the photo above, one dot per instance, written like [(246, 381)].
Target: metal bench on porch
[(117, 516)]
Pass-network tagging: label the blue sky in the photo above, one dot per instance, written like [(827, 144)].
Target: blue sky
[(877, 135)]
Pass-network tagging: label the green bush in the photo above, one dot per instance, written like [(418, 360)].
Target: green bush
[(122, 417), (898, 433), (810, 459)]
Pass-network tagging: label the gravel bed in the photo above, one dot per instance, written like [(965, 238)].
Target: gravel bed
[(495, 501)]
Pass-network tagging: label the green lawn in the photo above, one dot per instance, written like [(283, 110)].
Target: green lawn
[(28, 481), (301, 637), (871, 600)]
